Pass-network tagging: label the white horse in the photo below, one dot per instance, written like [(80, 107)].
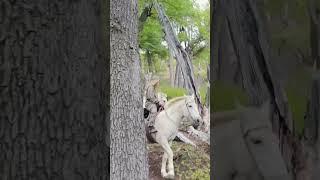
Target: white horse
[(167, 123)]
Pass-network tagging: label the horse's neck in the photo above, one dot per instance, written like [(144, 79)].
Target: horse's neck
[(175, 112)]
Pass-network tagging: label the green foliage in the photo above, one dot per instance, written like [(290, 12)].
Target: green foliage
[(192, 26), (172, 92), (179, 11), (183, 36), (151, 38), (183, 14), (225, 96), (203, 92)]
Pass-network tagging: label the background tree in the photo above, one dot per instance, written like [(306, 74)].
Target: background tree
[(52, 90), (190, 24), (128, 141), (150, 43)]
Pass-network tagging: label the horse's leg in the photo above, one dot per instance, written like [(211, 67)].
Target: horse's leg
[(164, 164), (166, 146), (170, 162)]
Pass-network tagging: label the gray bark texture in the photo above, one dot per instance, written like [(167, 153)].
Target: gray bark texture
[(245, 24), (178, 78), (181, 55), (171, 69), (208, 88), (53, 90), (128, 140)]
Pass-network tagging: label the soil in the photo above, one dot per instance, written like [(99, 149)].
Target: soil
[(191, 163)]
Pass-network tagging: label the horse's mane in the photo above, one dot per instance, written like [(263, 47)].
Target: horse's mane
[(174, 100)]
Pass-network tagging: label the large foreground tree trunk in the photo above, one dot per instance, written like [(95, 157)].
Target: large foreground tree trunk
[(52, 90), (128, 142)]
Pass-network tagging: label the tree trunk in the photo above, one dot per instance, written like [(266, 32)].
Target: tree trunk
[(53, 90), (314, 11), (181, 55), (171, 70), (149, 61), (128, 142), (208, 88), (144, 16), (179, 80)]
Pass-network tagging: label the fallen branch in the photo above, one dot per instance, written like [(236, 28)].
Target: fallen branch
[(205, 137), (184, 139)]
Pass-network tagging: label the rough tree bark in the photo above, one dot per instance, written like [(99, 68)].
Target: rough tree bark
[(181, 55), (213, 46), (208, 88), (178, 78), (52, 90), (128, 142)]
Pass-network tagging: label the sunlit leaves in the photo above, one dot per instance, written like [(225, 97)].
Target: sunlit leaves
[(189, 22)]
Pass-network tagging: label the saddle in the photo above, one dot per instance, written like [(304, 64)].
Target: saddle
[(149, 131)]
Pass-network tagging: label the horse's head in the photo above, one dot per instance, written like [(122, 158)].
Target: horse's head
[(192, 112)]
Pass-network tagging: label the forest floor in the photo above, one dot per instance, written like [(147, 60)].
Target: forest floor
[(190, 163)]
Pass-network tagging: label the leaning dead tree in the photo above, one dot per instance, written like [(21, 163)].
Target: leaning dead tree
[(181, 55)]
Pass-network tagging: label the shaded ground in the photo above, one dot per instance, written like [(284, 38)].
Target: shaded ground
[(190, 163)]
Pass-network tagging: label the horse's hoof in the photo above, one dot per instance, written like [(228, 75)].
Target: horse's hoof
[(164, 174), (169, 176)]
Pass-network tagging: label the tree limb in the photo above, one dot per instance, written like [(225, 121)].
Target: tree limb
[(144, 15)]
